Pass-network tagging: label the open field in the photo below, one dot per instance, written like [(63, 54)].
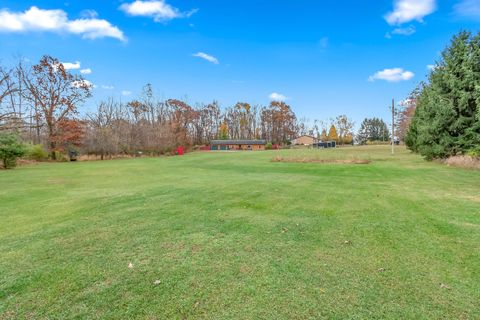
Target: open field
[(238, 236)]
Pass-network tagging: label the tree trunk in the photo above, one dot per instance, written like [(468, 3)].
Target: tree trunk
[(52, 151)]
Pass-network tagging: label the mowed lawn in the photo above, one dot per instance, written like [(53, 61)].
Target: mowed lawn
[(236, 236)]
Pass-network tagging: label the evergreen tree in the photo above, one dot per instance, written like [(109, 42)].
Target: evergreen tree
[(11, 148), (373, 130), (446, 121)]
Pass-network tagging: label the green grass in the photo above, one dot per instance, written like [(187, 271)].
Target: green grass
[(236, 236)]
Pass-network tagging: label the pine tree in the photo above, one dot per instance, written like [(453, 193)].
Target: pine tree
[(373, 130), (446, 120)]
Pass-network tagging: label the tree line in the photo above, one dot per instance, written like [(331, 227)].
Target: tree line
[(41, 103)]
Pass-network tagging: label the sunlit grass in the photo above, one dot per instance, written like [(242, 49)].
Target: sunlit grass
[(237, 236)]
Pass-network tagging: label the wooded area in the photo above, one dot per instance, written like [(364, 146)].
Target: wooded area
[(42, 103)]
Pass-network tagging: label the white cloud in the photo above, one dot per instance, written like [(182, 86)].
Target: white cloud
[(39, 20), (126, 93), (392, 75), (82, 83), (71, 65), (408, 31), (410, 10), (89, 14), (86, 71), (468, 9), (106, 87), (95, 28), (159, 10), (275, 96), (207, 57)]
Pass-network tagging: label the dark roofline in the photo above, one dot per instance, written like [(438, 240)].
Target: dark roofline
[(247, 142)]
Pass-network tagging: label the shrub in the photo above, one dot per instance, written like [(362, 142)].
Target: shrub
[(37, 152), (474, 153), (268, 146), (11, 148), (61, 157)]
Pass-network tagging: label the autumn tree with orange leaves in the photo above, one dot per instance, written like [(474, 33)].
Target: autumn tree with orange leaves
[(181, 120), (279, 123), (70, 134), (57, 94)]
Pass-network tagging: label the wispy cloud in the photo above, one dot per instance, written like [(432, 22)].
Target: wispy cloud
[(207, 57), (159, 10), (409, 10), (408, 31), (468, 9), (275, 96), (392, 75), (71, 65), (107, 87), (126, 93), (86, 71), (89, 14), (39, 20)]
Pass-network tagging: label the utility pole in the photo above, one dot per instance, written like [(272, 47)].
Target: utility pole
[(393, 126)]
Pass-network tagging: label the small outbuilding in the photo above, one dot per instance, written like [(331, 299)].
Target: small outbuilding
[(325, 144), (239, 145)]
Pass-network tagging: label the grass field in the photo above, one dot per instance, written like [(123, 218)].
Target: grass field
[(237, 236)]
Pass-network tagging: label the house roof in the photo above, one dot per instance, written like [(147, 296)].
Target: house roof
[(230, 142), (306, 135)]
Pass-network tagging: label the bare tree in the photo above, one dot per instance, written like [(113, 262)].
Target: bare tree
[(344, 128), (8, 87)]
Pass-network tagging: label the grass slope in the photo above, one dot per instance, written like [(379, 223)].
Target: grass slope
[(234, 235)]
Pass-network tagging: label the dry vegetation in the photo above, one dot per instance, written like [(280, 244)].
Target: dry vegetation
[(466, 162), (318, 160)]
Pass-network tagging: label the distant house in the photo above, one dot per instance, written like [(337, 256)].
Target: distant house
[(246, 145), (304, 140)]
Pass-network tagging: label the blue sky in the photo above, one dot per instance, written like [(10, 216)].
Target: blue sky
[(324, 57)]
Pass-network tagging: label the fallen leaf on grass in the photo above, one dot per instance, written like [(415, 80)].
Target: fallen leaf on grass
[(284, 230), (347, 242), (195, 306), (130, 265), (156, 282), (381, 270), (444, 286)]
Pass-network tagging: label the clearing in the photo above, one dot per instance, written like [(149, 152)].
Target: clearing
[(240, 236)]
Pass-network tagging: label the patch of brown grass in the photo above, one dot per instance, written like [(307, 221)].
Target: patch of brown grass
[(463, 162), (325, 161)]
